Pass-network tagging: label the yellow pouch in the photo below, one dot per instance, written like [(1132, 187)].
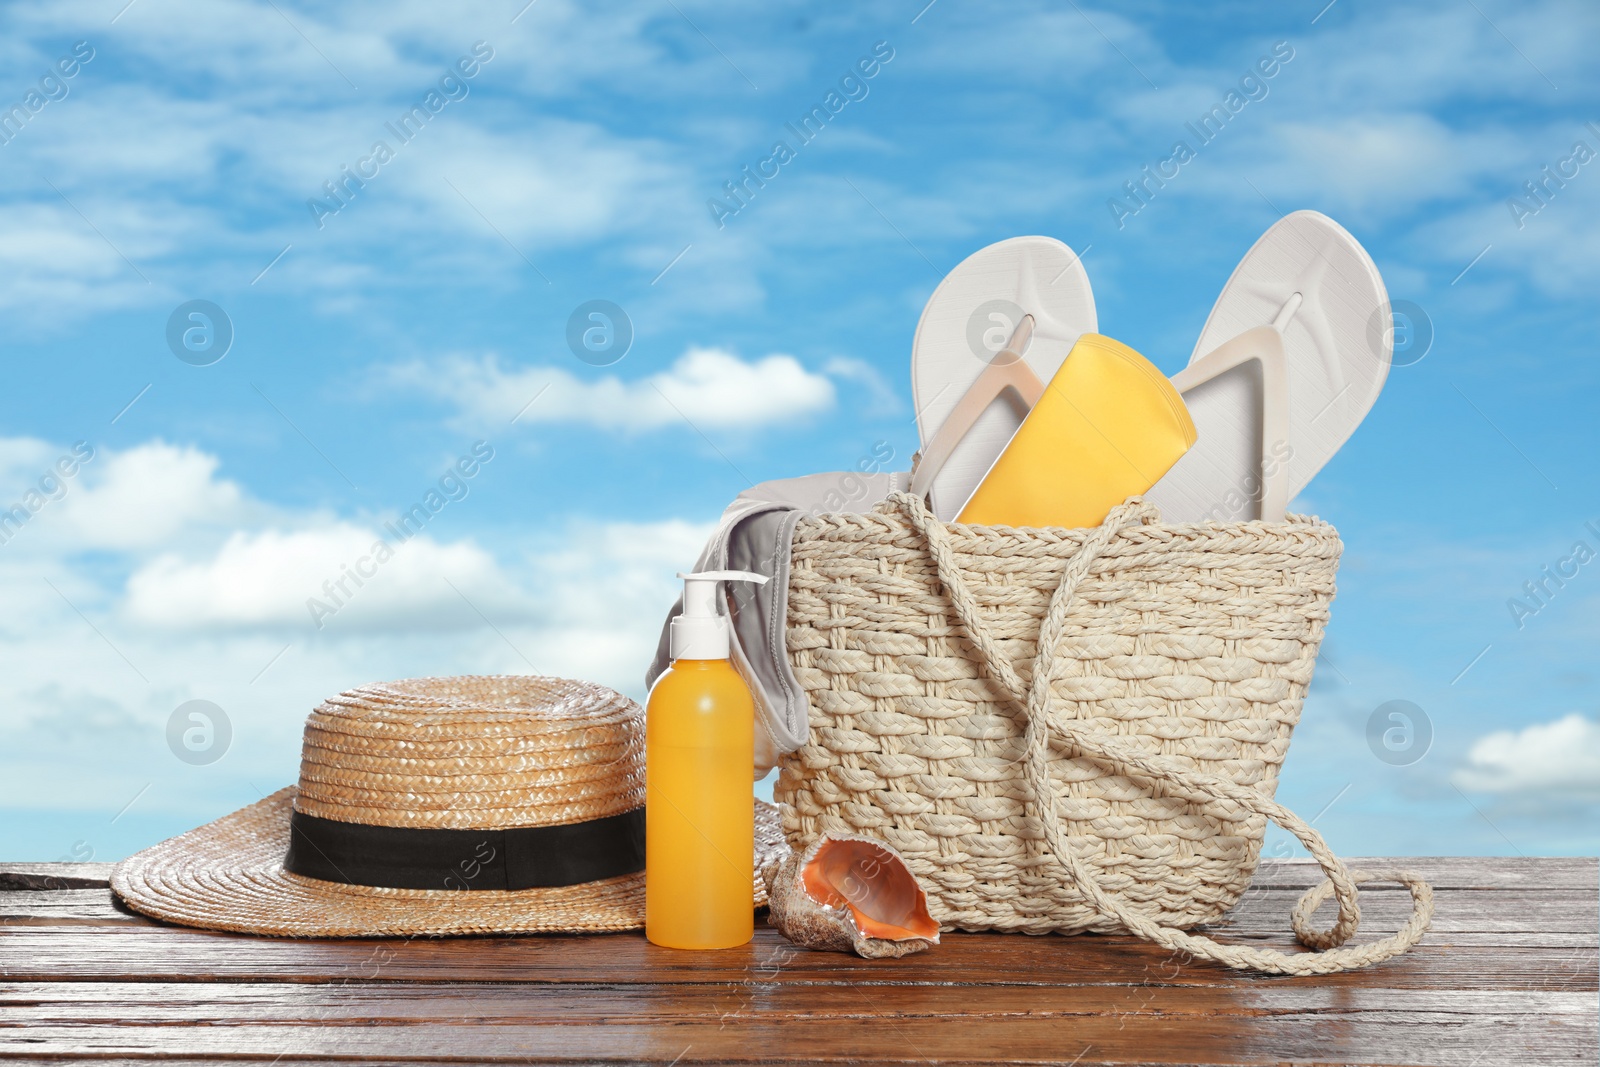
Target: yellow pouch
[(1108, 426)]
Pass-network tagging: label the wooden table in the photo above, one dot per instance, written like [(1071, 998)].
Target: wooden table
[(1506, 977)]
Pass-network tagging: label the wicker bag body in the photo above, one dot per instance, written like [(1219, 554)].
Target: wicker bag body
[(1067, 730)]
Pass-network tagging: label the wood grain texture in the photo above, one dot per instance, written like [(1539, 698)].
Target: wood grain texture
[(1509, 975), (54, 875)]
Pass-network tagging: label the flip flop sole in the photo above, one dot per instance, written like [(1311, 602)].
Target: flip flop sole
[(967, 320), (1337, 350)]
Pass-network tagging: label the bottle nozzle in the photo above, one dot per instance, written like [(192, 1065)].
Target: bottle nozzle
[(701, 632)]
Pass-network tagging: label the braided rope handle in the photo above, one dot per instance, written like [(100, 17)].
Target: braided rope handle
[(1035, 701)]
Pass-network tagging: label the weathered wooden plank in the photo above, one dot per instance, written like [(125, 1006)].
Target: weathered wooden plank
[(139, 953), (43, 907), (1455, 911), (1263, 909), (1452, 872), (363, 1003), (54, 875), (1440, 1039)]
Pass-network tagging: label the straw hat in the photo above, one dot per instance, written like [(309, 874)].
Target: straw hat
[(527, 791)]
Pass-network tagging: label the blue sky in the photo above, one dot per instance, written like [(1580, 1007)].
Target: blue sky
[(375, 345)]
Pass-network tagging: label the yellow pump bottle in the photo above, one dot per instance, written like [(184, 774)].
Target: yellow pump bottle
[(699, 750)]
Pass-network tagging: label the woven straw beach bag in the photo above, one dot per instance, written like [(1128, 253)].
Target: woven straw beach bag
[(1068, 730)]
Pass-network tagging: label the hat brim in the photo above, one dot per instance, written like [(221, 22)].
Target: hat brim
[(228, 875)]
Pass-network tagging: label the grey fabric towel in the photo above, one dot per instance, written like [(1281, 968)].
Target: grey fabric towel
[(754, 535)]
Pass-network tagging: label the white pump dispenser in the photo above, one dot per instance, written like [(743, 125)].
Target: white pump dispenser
[(700, 632)]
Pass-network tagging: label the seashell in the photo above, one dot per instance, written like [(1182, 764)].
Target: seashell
[(851, 894)]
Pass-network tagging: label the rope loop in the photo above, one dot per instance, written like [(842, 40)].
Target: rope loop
[(1042, 721)]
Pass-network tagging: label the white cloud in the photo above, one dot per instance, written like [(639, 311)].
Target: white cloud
[(48, 255), (1371, 58), (603, 593), (1554, 757), (199, 555), (271, 578), (22, 459), (1558, 248), (1047, 46), (138, 498), (228, 169), (1384, 164), (603, 182), (880, 395), (145, 495), (710, 387)]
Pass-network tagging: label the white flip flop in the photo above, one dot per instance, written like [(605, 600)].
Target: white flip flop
[(1292, 358), (1002, 321)]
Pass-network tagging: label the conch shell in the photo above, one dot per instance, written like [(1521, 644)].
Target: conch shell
[(852, 894)]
